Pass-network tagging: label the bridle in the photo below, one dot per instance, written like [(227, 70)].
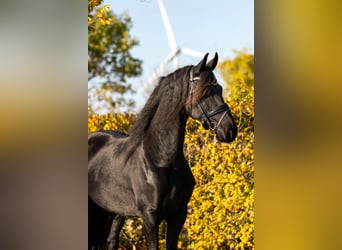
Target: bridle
[(207, 123)]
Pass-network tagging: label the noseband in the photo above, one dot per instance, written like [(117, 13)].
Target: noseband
[(205, 118)]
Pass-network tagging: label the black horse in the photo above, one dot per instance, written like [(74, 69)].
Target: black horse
[(144, 173)]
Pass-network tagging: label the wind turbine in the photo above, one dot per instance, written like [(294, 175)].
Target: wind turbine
[(172, 56)]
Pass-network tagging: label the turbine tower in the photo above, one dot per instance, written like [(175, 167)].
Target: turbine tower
[(173, 56)]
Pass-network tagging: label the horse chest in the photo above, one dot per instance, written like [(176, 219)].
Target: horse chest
[(181, 185), (164, 189)]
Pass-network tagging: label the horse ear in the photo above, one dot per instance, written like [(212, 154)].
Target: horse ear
[(212, 64), (200, 66)]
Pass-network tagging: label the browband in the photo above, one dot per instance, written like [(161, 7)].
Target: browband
[(192, 80)]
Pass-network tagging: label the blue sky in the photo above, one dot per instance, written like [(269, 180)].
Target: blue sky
[(207, 26)]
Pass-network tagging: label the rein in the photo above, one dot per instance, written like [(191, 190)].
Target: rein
[(207, 115)]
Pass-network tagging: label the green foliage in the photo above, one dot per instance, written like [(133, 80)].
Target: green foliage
[(110, 62), (221, 209)]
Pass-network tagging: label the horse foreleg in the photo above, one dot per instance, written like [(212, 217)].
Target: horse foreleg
[(113, 237), (173, 228), (151, 226)]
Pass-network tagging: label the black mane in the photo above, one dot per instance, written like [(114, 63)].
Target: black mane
[(169, 97)]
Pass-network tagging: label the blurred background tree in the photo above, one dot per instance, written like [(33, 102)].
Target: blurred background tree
[(110, 63)]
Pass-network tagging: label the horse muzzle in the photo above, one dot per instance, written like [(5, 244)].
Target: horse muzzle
[(227, 135)]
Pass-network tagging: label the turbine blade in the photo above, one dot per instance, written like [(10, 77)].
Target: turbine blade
[(175, 62), (193, 53), (158, 71), (169, 32)]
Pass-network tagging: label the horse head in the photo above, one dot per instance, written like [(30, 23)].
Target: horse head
[(206, 103)]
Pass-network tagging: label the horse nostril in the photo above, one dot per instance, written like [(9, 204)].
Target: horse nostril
[(231, 133)]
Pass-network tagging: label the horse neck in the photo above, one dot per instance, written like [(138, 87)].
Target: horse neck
[(164, 139), (160, 126), (167, 134)]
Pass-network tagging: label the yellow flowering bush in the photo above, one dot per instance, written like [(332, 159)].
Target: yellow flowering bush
[(121, 122), (221, 209), (222, 205)]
